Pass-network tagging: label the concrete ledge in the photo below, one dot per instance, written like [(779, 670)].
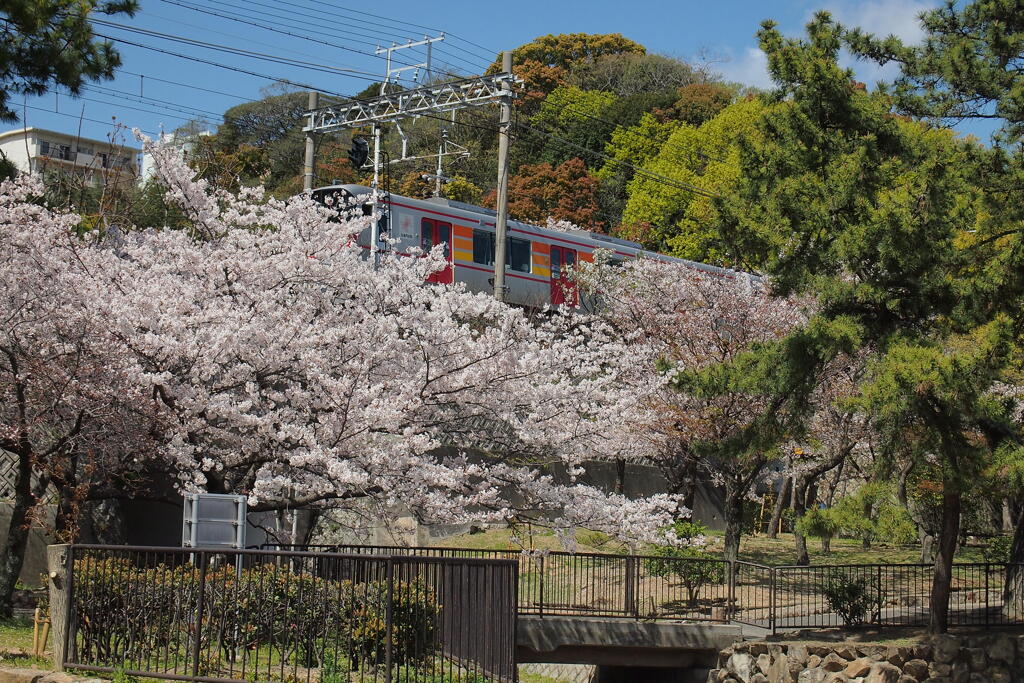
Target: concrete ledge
[(37, 676), (573, 640)]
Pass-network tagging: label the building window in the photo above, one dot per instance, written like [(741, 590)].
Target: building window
[(517, 251)]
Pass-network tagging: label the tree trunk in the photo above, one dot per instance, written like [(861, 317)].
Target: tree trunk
[(1008, 525), (942, 579), (927, 547), (13, 556), (1013, 591), (780, 504), (733, 521), (799, 506), (620, 476), (826, 544)]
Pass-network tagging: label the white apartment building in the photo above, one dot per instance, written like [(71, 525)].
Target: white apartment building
[(98, 162), (183, 144)]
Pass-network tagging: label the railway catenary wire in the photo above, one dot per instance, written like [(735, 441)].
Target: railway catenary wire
[(291, 22), (328, 14), (319, 6), (289, 50), (111, 124), (185, 85), (241, 52), (146, 99), (327, 17)]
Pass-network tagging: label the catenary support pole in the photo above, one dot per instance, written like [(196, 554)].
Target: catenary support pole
[(308, 167), (375, 215), (501, 224)]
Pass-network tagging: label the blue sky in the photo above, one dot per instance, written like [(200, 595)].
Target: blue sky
[(156, 91)]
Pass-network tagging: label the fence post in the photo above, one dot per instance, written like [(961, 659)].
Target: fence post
[(540, 599), (389, 619), (986, 595), (730, 600), (204, 559), (59, 568), (878, 590), (771, 599), (630, 599)]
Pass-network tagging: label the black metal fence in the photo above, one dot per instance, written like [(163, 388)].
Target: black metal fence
[(771, 597), (290, 616)]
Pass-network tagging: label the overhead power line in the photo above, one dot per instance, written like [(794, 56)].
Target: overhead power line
[(112, 124), (306, 27), (297, 84), (150, 101), (288, 61), (186, 85), (385, 27)]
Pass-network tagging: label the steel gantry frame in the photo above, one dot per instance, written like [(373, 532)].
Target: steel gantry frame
[(429, 100)]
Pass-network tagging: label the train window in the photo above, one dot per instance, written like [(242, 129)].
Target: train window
[(483, 247), (517, 251), (519, 254)]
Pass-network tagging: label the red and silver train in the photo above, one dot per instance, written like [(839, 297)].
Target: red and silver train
[(538, 260)]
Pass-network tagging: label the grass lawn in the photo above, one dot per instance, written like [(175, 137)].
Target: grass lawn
[(758, 549), (16, 634)]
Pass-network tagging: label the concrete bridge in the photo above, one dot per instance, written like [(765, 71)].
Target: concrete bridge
[(626, 650)]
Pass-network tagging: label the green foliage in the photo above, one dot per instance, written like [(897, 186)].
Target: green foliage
[(461, 189), (630, 73), (334, 669), (300, 615), (259, 142), (51, 41), (577, 116), (818, 523), (895, 526), (629, 147), (851, 593), (693, 567), (121, 676), (698, 103), (873, 513), (7, 168), (868, 213), (677, 220), (968, 67), (998, 550)]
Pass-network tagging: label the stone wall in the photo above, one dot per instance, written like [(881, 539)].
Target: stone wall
[(967, 658)]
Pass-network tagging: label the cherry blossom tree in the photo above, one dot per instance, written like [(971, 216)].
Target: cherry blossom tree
[(685, 318), (257, 351), (70, 418), (290, 369)]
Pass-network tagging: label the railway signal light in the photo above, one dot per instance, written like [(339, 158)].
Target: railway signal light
[(360, 150)]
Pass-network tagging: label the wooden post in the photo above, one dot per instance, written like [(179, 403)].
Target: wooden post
[(57, 562)]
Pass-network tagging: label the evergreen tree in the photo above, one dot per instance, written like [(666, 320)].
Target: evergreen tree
[(865, 211), (51, 41)]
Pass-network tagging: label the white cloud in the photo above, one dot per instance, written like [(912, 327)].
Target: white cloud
[(883, 17), (750, 68), (879, 17)]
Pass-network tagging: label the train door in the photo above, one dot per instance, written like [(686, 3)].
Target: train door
[(563, 289), (436, 232)]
